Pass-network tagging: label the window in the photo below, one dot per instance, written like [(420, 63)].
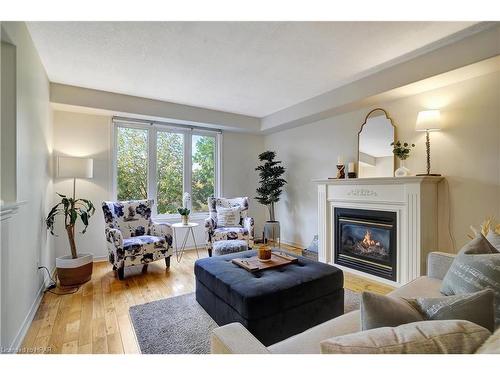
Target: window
[(162, 162), (203, 171), (132, 164)]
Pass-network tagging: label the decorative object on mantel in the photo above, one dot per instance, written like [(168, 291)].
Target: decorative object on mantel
[(351, 170), (402, 152), (340, 167), (77, 268), (375, 158), (428, 121)]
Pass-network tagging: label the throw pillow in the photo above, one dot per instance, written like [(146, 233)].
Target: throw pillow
[(475, 307), (475, 268), (228, 217), (492, 345), (385, 311), (429, 337), (494, 239)]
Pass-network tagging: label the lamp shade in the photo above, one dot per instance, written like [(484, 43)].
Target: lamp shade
[(75, 167), (429, 120)]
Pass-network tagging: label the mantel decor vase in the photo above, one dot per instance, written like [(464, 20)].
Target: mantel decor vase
[(402, 171)]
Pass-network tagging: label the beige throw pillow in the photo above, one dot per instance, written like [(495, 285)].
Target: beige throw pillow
[(476, 307), (385, 311), (492, 345), (428, 337), (228, 217)]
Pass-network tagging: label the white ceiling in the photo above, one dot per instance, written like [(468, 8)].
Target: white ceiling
[(251, 68)]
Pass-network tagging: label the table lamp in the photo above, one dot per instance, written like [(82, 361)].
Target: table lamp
[(75, 168), (428, 121)]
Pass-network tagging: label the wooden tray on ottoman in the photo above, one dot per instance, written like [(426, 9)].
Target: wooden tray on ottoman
[(253, 264)]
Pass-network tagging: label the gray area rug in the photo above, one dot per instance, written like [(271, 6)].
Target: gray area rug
[(179, 325)]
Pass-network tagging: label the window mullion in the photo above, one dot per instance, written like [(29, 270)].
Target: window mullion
[(188, 146), (152, 165)]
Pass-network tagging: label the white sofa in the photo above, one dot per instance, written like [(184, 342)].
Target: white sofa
[(234, 338)]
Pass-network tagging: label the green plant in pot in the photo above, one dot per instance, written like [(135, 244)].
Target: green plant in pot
[(184, 212), (74, 269), (271, 181)]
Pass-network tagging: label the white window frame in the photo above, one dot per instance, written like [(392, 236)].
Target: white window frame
[(153, 129)]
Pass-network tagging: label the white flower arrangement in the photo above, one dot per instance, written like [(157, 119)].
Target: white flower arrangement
[(186, 200)]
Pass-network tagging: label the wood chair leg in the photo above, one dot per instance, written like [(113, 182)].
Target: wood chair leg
[(167, 262), (121, 273)]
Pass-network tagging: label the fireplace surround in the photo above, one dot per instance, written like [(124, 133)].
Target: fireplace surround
[(365, 240), (412, 203)]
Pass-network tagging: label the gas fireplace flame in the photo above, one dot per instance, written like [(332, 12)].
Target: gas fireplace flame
[(367, 240)]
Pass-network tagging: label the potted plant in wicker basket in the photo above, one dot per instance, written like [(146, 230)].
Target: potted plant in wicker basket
[(74, 269)]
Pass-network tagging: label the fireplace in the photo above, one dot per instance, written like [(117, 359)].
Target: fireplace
[(365, 240)]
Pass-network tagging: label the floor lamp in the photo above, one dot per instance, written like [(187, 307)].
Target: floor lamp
[(428, 121), (70, 167)]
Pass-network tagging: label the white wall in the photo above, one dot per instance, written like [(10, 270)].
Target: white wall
[(466, 152), (29, 243), (88, 135), (84, 135)]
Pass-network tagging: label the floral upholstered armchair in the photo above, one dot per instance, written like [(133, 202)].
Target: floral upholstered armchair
[(214, 232), (132, 237)]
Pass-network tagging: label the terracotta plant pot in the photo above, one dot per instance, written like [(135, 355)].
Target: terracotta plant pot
[(72, 272)]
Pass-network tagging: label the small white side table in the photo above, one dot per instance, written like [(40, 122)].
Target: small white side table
[(189, 227)]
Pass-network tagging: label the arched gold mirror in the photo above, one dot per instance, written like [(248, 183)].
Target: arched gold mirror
[(375, 157)]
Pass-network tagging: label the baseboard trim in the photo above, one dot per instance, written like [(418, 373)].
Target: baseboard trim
[(293, 244), (15, 346)]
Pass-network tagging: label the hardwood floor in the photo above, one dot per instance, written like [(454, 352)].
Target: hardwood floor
[(95, 319)]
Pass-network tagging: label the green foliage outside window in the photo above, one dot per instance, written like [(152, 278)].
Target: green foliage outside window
[(132, 163), (203, 185), (132, 168), (170, 169)]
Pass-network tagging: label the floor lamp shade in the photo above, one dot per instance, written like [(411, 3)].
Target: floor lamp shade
[(71, 167), (428, 121)]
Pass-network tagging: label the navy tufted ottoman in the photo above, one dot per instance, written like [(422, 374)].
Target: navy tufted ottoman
[(272, 304)]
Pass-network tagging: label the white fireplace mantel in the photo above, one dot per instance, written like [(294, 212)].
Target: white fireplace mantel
[(413, 199)]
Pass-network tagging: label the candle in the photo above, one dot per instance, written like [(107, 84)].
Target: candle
[(340, 160), (350, 167)]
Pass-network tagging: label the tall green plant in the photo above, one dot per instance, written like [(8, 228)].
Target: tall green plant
[(271, 182), (71, 209)]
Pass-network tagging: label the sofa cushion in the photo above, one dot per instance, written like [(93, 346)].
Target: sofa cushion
[(386, 311), (143, 244), (422, 286), (475, 268), (230, 233), (308, 342), (229, 247), (426, 337), (264, 293)]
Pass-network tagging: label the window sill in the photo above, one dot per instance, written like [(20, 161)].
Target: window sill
[(198, 216)]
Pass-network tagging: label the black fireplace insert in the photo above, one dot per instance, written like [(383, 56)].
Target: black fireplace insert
[(365, 240)]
